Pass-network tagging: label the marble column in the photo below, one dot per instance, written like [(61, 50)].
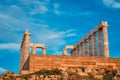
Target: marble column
[(80, 50), (33, 49), (105, 33), (84, 45), (65, 52), (89, 46), (99, 42), (76, 51), (44, 51), (94, 44), (25, 47)]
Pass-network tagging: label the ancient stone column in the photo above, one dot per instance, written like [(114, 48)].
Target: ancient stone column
[(94, 44), (105, 33), (89, 47), (27, 43), (44, 51), (84, 44), (33, 49), (65, 52), (76, 51), (80, 50), (25, 46), (99, 43)]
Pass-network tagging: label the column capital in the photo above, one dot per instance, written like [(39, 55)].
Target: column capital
[(27, 32), (104, 24)]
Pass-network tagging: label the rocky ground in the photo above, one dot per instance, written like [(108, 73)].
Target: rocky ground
[(80, 73)]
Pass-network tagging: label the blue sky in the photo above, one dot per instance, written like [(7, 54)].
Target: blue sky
[(55, 23)]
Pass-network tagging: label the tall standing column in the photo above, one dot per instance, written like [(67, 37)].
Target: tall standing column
[(76, 51), (80, 50), (89, 47), (94, 44), (33, 49), (44, 51), (24, 50), (105, 33), (27, 44), (99, 43), (84, 44)]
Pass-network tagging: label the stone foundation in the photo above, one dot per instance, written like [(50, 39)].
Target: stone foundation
[(38, 62)]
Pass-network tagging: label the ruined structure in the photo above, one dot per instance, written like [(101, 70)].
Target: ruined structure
[(91, 52)]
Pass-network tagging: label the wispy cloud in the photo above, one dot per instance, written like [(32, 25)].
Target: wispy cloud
[(111, 3), (13, 25), (11, 46), (41, 33), (56, 9), (53, 38), (38, 7), (2, 70)]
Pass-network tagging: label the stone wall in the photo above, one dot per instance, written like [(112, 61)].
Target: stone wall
[(38, 62)]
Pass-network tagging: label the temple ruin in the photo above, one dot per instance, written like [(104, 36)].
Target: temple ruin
[(90, 52)]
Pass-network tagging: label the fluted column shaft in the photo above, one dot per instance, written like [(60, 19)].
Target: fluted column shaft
[(89, 47), (77, 51), (99, 43), (94, 44), (106, 48), (44, 51), (84, 45), (33, 50), (80, 50)]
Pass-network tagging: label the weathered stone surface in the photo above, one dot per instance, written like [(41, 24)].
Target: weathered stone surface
[(83, 54)]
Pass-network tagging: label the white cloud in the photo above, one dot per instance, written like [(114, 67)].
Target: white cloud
[(56, 9), (38, 7), (43, 9), (11, 46), (54, 39), (111, 3), (13, 27), (2, 70), (71, 34), (42, 33)]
